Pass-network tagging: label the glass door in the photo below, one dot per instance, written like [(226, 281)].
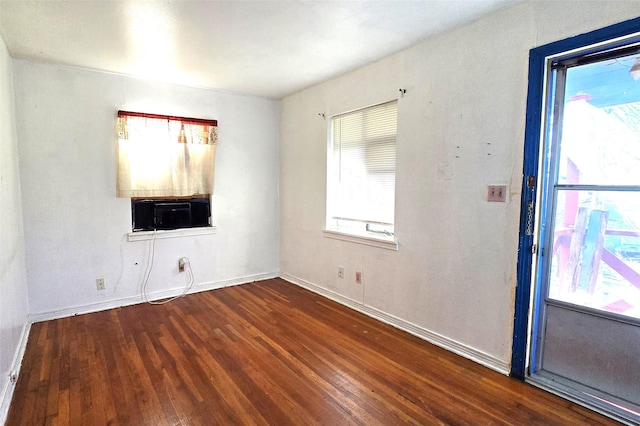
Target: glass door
[(586, 335)]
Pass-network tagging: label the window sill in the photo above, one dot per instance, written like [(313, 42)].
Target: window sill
[(360, 239), (171, 233)]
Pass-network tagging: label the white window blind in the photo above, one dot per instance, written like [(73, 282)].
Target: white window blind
[(362, 170)]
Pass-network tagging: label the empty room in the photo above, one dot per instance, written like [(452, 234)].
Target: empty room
[(320, 212)]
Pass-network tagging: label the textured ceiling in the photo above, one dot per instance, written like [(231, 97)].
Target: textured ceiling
[(262, 48)]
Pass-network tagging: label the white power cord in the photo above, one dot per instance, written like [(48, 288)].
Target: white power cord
[(187, 267)]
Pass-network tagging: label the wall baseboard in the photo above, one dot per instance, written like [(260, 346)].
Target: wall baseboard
[(458, 348), (134, 300), (7, 392), (461, 349)]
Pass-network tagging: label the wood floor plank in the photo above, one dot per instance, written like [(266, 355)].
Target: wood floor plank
[(265, 353), (352, 364)]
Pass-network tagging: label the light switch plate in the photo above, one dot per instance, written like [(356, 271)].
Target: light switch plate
[(497, 193)]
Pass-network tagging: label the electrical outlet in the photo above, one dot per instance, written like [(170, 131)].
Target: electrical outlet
[(100, 283), (340, 271), (181, 262), (358, 277), (497, 193)]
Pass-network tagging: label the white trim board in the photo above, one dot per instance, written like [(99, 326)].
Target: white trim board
[(458, 348), (134, 300), (7, 392), (170, 233)]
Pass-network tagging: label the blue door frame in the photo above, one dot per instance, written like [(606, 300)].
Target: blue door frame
[(535, 109)]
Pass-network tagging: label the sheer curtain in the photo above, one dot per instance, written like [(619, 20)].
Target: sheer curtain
[(163, 156)]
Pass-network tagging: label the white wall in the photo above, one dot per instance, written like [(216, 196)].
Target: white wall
[(13, 280), (460, 128), (75, 227)]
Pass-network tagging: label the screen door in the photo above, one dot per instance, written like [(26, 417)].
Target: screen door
[(586, 337)]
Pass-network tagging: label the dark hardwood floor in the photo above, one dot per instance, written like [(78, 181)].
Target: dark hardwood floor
[(262, 353)]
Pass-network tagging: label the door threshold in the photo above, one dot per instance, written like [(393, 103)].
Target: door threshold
[(600, 402)]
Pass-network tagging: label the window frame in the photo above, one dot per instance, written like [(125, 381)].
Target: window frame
[(381, 238)]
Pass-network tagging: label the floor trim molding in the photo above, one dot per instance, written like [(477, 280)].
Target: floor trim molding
[(156, 295), (7, 392), (461, 349), (430, 336)]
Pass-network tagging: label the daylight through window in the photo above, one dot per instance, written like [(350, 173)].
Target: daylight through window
[(166, 167), (162, 156), (361, 172)]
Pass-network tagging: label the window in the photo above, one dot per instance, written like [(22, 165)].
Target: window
[(166, 166), (361, 172)]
